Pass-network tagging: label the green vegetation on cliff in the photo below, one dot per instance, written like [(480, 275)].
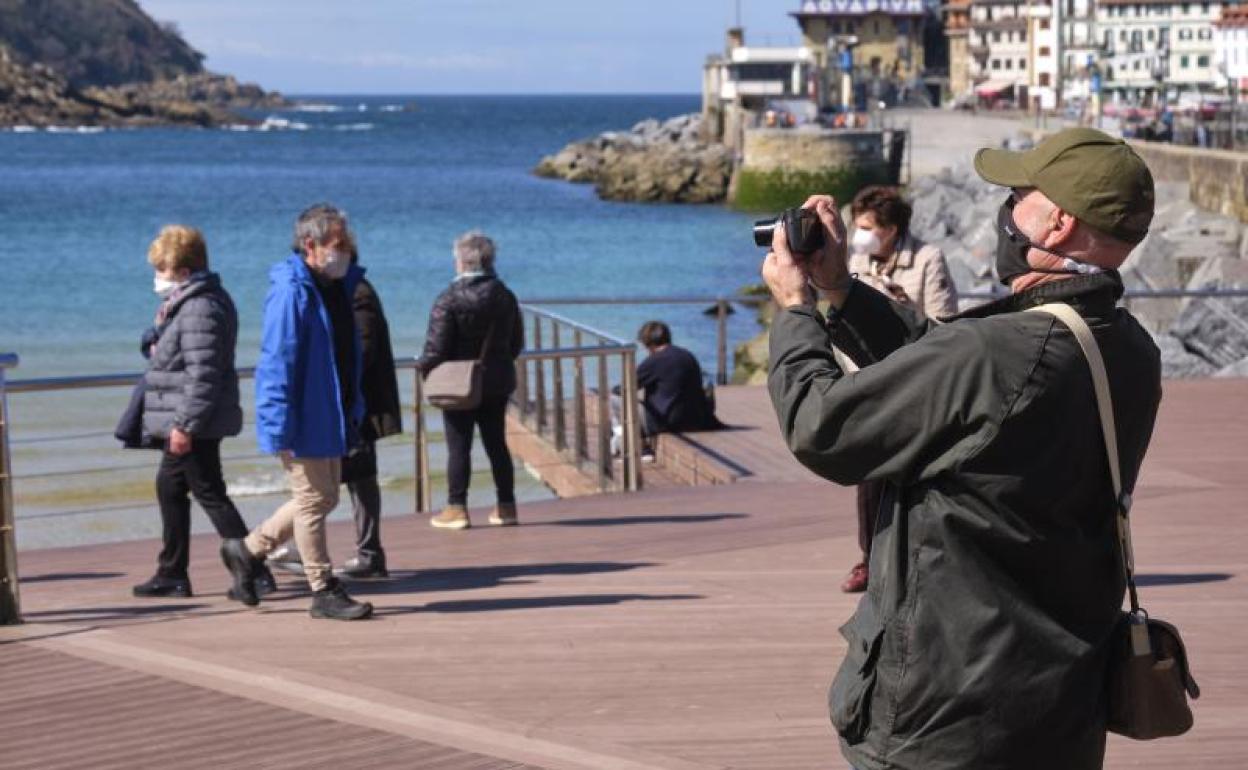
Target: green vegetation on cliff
[(95, 42)]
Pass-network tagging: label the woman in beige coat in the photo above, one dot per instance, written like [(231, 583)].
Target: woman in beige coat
[(888, 258)]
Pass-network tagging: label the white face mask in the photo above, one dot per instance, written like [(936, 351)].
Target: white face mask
[(865, 242), (336, 264), (163, 286)]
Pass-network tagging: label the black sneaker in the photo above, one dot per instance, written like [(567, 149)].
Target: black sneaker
[(360, 568), (334, 603), (159, 585), (242, 565), (265, 582)]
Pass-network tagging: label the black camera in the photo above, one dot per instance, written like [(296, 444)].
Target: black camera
[(802, 227)]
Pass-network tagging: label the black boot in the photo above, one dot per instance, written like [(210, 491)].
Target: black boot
[(265, 582), (159, 585), (333, 602), (242, 565)]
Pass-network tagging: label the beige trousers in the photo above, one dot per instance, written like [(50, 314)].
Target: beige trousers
[(314, 494)]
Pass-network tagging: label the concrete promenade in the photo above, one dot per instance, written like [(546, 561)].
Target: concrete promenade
[(675, 628)]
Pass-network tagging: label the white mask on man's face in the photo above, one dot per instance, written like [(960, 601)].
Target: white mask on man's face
[(865, 242), (337, 261)]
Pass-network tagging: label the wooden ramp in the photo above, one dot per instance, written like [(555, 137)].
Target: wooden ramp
[(683, 627)]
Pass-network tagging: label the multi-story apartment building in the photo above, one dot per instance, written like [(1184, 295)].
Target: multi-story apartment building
[(1156, 48), (1230, 37), (957, 20), (1013, 47), (1078, 47)]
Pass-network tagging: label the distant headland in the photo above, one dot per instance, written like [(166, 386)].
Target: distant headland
[(107, 63)]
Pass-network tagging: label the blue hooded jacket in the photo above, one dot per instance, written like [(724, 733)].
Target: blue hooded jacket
[(298, 395)]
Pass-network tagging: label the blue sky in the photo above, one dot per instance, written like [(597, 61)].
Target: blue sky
[(470, 46)]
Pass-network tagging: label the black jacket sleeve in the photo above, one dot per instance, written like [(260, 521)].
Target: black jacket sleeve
[(440, 336)]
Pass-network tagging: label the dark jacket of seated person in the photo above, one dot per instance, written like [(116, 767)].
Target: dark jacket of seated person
[(671, 379)]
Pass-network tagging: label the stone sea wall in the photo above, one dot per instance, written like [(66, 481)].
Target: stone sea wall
[(782, 167)]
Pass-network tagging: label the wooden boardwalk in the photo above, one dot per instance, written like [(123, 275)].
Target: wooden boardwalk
[(682, 627)]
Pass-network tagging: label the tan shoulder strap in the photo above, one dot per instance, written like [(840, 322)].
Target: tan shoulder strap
[(1105, 406)]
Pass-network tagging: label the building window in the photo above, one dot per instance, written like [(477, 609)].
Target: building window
[(1187, 8), (1044, 50), (903, 26), (875, 27), (996, 37), (1022, 37), (1202, 61), (1022, 64), (1044, 24), (1151, 35), (1185, 34), (1009, 64), (1204, 8), (1135, 65), (996, 64), (1044, 79), (1183, 60), (1122, 36), (1205, 34)]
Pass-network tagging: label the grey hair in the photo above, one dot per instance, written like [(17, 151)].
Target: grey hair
[(316, 222), (475, 251)]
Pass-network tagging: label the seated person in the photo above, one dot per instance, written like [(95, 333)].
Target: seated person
[(671, 381)]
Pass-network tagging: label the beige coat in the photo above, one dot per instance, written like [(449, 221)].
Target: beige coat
[(919, 277)]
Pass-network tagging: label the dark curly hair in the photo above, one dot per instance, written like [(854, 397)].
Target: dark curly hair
[(886, 203)]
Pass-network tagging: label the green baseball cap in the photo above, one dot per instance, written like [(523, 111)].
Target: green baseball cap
[(1098, 178)]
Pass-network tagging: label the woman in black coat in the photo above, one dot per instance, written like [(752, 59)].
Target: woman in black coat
[(477, 316)]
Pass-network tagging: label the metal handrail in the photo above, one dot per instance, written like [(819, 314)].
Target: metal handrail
[(10, 600)]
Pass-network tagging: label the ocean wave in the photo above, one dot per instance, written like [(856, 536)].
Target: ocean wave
[(391, 108), (271, 123), (318, 108), (354, 127), (23, 129), (75, 129), (258, 485)]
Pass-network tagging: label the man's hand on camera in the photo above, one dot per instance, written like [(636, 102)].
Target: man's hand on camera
[(828, 268), (792, 278), (784, 275)]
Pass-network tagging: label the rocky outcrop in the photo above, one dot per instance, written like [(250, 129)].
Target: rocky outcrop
[(97, 42), (37, 96), (653, 162), (106, 63)]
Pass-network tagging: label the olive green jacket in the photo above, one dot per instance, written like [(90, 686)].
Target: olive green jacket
[(995, 587)]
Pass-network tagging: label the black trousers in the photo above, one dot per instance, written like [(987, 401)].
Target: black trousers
[(491, 418), (197, 473), (359, 472)]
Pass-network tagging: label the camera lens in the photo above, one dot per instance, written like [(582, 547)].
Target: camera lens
[(763, 230)]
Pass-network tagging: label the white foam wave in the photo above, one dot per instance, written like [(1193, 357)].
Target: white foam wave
[(75, 129), (24, 129), (391, 108), (355, 127), (258, 485), (318, 108)]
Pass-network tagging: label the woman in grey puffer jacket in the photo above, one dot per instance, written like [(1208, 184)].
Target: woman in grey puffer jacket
[(190, 400)]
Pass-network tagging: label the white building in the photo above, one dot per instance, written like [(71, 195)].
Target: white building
[(1078, 47), (1230, 38), (1152, 47), (738, 85), (1013, 47)]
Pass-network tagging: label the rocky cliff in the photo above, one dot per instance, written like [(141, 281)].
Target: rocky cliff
[(653, 162), (106, 63)]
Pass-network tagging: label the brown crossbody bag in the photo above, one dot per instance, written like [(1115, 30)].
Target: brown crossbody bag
[(1149, 677), (456, 386)]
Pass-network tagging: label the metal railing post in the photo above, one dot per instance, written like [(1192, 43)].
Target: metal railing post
[(423, 493), (10, 600), (561, 428), (581, 450), (539, 376), (604, 424), (721, 342), (632, 425)]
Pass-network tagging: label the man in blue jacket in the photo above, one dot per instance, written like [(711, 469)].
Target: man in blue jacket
[(308, 405)]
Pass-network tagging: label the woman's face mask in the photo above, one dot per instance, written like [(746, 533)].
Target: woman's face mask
[(865, 241), (336, 263)]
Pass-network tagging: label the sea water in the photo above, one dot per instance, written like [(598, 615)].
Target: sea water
[(78, 210)]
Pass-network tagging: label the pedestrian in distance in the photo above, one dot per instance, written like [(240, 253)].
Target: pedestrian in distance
[(886, 256), (477, 317), (190, 402), (308, 405), (985, 635)]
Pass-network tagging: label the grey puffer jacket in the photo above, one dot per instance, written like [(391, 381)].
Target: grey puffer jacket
[(191, 382)]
